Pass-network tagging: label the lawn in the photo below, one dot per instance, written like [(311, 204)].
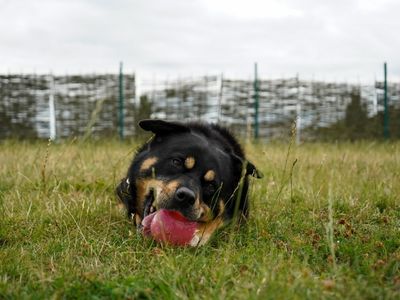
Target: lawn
[(325, 223)]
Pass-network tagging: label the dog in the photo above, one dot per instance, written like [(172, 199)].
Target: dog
[(196, 169)]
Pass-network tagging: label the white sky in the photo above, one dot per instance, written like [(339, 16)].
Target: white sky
[(327, 40)]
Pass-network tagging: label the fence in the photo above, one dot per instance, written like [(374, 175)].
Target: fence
[(315, 105), (82, 105), (88, 104)]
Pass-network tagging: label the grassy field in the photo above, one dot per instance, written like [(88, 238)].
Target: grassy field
[(325, 224)]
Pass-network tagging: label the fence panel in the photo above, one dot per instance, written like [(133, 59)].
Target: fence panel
[(88, 105)]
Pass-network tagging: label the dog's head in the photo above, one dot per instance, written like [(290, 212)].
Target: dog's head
[(183, 170)]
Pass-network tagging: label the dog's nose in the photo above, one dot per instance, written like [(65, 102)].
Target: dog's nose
[(185, 195)]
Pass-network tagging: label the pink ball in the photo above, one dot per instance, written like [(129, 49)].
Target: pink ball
[(170, 227)]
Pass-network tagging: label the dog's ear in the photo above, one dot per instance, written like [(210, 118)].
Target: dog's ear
[(124, 193), (161, 127), (250, 167), (252, 170)]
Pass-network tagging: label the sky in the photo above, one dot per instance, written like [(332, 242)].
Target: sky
[(341, 40)]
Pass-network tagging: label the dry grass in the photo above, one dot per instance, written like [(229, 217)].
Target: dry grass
[(324, 224)]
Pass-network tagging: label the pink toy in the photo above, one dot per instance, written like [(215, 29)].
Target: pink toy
[(170, 227)]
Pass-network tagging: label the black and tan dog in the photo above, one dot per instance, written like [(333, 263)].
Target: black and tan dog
[(197, 169)]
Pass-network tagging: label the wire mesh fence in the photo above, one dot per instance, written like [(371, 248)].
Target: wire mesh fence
[(87, 105), (314, 105), (83, 104)]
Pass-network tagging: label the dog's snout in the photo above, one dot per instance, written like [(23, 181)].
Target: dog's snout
[(183, 194)]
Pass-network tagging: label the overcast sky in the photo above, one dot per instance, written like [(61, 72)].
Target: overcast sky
[(330, 40)]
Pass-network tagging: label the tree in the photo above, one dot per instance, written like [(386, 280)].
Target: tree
[(356, 118)]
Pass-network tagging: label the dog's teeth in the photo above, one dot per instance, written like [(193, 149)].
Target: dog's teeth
[(152, 209)]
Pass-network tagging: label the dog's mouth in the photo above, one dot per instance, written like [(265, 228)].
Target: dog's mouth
[(149, 206), (148, 209), (167, 226)]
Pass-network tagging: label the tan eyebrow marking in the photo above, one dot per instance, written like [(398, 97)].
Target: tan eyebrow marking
[(209, 176), (189, 162), (148, 163)]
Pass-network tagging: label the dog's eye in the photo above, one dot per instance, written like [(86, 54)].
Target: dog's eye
[(177, 162)]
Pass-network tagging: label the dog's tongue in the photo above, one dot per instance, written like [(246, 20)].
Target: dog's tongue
[(169, 226)]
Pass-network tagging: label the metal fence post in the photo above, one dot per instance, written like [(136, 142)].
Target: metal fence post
[(386, 131), (121, 103), (221, 89), (298, 112), (256, 102), (52, 111)]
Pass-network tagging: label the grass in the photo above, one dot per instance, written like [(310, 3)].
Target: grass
[(325, 223)]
